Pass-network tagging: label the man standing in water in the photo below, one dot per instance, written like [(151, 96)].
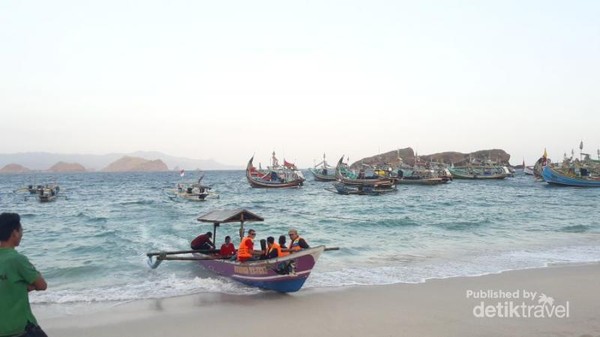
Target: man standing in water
[(17, 278)]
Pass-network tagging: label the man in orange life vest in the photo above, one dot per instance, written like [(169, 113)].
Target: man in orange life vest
[(273, 249), (297, 243), (246, 249)]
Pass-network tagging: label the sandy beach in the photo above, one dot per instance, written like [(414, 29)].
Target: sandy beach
[(553, 301)]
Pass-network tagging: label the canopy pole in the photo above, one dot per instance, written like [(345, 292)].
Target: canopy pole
[(215, 225)]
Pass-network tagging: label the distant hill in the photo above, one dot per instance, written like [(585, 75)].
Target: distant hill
[(407, 156), (66, 167), (14, 168), (135, 164), (43, 160)]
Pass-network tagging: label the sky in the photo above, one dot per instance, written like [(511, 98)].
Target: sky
[(226, 80)]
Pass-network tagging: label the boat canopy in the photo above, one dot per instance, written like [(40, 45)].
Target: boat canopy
[(232, 215), (218, 217)]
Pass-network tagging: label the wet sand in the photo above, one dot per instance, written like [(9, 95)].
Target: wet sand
[(443, 307)]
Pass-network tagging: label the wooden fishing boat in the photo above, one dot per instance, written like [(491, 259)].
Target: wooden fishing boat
[(282, 274), (346, 176), (323, 171), (344, 189), (274, 177), (479, 172), (48, 193), (422, 176), (579, 177)]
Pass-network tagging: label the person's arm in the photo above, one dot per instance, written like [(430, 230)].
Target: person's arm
[(303, 244), (38, 284)]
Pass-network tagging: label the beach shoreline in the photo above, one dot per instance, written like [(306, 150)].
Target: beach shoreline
[(565, 298)]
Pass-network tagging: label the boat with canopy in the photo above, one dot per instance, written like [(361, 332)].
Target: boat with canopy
[(282, 274)]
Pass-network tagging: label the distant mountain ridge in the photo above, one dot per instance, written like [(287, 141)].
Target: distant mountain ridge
[(44, 160)]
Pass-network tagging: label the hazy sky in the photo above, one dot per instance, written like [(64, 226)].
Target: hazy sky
[(229, 79)]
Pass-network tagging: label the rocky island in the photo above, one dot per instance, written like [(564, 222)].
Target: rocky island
[(408, 157), (66, 167), (14, 168), (135, 164)]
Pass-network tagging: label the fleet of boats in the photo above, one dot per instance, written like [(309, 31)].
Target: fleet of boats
[(289, 273)]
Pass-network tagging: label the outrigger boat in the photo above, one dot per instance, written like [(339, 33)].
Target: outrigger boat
[(276, 176), (191, 191), (48, 193), (282, 274)]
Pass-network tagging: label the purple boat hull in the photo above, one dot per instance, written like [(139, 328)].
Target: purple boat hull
[(282, 274)]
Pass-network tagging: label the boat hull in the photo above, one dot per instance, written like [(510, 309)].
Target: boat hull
[(555, 177), (459, 174), (322, 177), (283, 274), (344, 189), (422, 181)]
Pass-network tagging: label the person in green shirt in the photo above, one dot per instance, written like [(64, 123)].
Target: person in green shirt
[(17, 278)]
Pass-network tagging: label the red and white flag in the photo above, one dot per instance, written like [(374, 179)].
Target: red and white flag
[(182, 173)]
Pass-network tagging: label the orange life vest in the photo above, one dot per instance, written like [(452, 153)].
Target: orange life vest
[(243, 252), (276, 247)]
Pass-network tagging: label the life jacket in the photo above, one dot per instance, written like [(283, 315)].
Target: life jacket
[(295, 245), (243, 252), (276, 247)]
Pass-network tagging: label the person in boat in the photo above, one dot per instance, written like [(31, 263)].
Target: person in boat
[(17, 278), (297, 243), (246, 250), (227, 248), (283, 246), (273, 249), (202, 242)]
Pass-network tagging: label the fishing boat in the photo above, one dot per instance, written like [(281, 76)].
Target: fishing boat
[(479, 172), (48, 193), (193, 191), (345, 175), (323, 171), (344, 189), (422, 176), (282, 274), (579, 177), (275, 176)]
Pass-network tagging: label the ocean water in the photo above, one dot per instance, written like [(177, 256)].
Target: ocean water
[(91, 243)]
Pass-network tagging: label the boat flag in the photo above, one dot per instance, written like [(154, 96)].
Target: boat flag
[(182, 173)]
